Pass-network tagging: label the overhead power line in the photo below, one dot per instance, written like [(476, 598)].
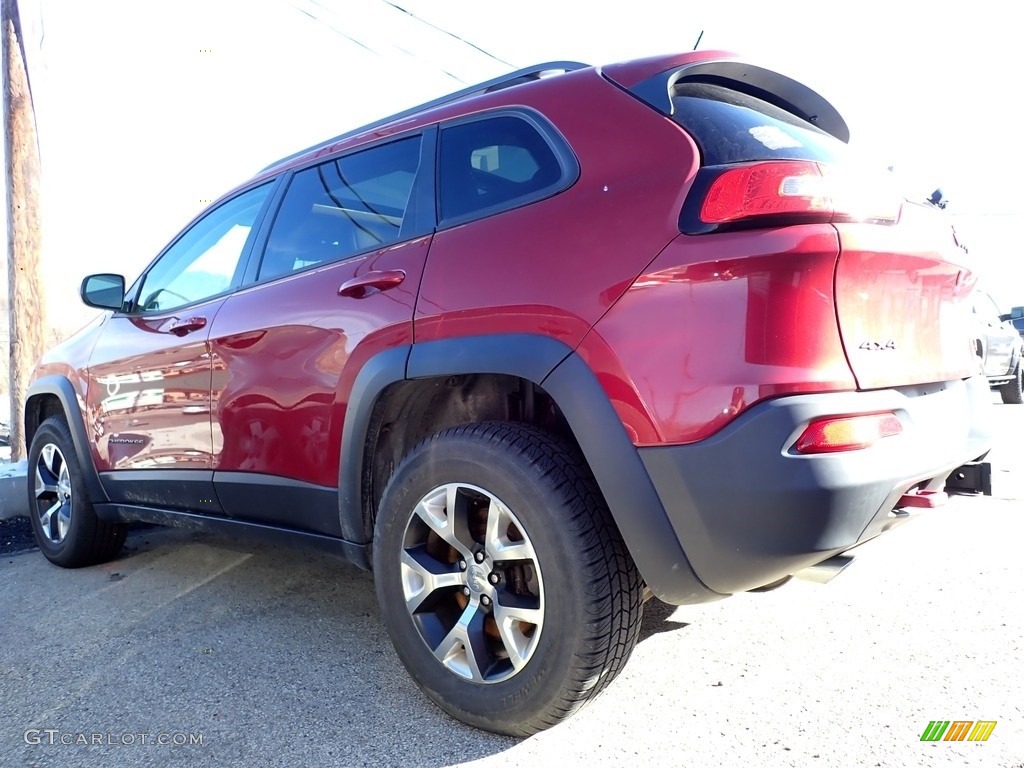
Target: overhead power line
[(334, 29), (360, 43), (449, 33)]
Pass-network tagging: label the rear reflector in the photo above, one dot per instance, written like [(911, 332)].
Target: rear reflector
[(798, 191), (847, 433)]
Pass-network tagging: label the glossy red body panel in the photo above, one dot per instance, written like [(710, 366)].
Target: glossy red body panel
[(718, 323), (285, 355), (901, 301), (148, 402), (70, 360), (555, 266)]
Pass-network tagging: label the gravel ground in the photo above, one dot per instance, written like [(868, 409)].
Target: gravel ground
[(16, 535), (277, 657)]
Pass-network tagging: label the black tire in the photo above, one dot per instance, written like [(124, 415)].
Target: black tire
[(1012, 391), (570, 601), (63, 519)]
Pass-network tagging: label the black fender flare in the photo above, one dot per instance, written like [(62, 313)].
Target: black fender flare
[(552, 365), (529, 356), (58, 386)]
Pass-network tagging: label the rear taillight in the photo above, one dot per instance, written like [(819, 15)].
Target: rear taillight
[(766, 189), (847, 433), (787, 192)]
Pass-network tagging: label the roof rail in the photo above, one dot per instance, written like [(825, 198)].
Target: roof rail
[(504, 81)]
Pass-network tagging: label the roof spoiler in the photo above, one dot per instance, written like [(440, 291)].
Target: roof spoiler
[(782, 91), (526, 75)]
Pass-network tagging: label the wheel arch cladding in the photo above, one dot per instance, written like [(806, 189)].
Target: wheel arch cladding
[(528, 356), (596, 428), (45, 390), (625, 484)]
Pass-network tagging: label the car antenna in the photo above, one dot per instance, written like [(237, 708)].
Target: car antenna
[(698, 40)]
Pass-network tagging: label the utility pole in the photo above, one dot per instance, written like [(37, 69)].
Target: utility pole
[(26, 307)]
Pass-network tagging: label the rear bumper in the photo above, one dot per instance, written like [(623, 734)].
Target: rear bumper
[(748, 509)]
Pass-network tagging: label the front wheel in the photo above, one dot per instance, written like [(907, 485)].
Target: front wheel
[(504, 584), (1012, 391), (63, 519)]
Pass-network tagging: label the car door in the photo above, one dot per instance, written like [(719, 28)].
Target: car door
[(148, 397), (335, 284)]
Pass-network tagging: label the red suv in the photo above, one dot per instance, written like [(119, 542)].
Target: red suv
[(533, 353)]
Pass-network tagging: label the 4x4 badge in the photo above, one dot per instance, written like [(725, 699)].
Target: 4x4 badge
[(878, 346)]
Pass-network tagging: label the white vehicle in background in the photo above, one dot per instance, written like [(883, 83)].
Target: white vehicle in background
[(1000, 348)]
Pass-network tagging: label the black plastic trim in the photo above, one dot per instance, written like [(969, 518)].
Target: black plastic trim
[(190, 489), (626, 486), (784, 92), (374, 377), (529, 356), (488, 86), (254, 257), (278, 501), (354, 553), (61, 388), (566, 377), (749, 509)]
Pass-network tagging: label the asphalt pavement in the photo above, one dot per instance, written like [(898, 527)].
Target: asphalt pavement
[(196, 650)]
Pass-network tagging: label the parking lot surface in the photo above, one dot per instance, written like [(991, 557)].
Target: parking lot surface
[(196, 650)]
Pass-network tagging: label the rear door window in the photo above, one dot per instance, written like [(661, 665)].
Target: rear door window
[(344, 207)]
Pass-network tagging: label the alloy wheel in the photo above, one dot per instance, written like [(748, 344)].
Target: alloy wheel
[(54, 499), (472, 583)]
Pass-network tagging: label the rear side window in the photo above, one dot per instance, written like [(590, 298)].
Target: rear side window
[(732, 127), (494, 164), (343, 207)]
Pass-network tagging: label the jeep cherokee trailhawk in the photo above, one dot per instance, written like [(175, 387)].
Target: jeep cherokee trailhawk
[(532, 352)]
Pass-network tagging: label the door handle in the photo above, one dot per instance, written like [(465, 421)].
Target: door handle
[(183, 327), (361, 286)]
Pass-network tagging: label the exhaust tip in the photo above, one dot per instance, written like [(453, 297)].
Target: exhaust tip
[(826, 570)]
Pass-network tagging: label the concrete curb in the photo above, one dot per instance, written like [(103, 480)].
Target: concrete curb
[(13, 497)]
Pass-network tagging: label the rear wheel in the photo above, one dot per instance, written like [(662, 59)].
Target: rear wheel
[(1012, 391), (504, 584), (63, 519)]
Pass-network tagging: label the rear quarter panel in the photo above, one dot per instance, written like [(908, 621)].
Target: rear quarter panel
[(555, 266)]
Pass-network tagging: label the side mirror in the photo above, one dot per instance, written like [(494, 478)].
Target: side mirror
[(104, 291)]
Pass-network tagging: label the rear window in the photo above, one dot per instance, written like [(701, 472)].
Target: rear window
[(733, 127)]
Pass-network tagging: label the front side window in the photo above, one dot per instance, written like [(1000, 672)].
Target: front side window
[(203, 262), (494, 164), (343, 207)]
